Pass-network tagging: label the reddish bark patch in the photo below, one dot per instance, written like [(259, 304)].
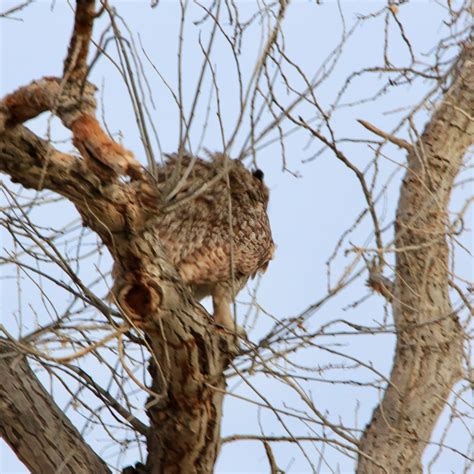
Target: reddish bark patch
[(103, 156)]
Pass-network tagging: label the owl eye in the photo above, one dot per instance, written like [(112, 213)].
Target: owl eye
[(258, 174)]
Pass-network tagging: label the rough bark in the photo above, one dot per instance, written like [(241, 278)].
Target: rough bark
[(185, 434), (429, 338), (41, 435)]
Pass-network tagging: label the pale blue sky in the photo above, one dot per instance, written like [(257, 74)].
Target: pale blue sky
[(308, 213)]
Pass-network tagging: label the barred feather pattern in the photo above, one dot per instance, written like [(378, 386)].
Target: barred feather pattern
[(229, 218)]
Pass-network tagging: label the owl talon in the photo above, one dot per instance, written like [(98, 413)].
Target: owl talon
[(239, 330)]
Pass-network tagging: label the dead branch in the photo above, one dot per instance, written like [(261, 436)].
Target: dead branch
[(391, 138)]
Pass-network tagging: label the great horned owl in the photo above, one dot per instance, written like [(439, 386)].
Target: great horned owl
[(221, 237)]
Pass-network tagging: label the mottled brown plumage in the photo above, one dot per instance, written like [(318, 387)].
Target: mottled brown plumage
[(229, 218)]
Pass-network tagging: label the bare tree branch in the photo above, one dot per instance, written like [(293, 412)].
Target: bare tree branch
[(428, 356), (391, 138), (33, 425)]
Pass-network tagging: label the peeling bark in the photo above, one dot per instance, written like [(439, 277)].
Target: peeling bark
[(41, 435), (429, 338)]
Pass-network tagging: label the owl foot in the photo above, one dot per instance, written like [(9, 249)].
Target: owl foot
[(239, 330), (222, 300)]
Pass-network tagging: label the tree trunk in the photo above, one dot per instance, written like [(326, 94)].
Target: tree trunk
[(429, 338), (185, 433), (41, 435)]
